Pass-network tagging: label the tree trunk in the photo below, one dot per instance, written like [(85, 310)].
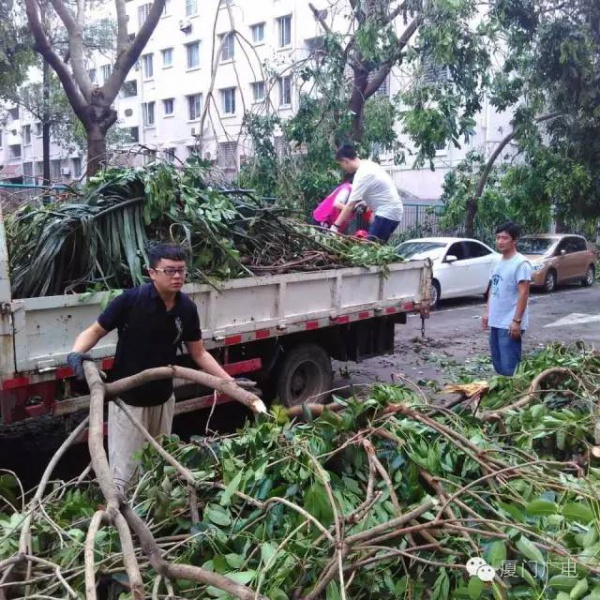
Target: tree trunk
[(357, 103), (471, 212), (46, 123), (96, 150)]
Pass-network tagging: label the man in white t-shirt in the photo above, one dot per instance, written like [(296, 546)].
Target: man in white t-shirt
[(506, 313), (373, 186)]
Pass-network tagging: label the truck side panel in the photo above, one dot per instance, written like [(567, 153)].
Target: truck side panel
[(44, 328)]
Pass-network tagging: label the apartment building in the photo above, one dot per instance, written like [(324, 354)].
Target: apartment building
[(207, 64)]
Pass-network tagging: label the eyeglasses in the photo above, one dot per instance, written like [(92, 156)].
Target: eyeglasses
[(171, 272)]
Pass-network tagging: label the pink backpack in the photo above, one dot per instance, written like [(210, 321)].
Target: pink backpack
[(325, 210)]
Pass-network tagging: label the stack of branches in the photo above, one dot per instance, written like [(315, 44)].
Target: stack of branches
[(95, 239), (388, 497)]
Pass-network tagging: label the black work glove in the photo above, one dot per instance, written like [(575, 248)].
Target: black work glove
[(244, 382), (75, 361)]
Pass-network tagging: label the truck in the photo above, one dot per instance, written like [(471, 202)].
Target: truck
[(282, 330)]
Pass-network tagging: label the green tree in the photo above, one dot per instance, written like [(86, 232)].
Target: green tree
[(91, 104)]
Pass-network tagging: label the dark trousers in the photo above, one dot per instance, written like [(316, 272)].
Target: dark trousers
[(381, 229)]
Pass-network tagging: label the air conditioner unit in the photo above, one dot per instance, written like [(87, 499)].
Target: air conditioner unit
[(193, 132), (65, 171), (185, 25)]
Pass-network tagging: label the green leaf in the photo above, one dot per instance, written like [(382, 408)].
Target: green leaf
[(267, 551), (542, 507), (217, 515), (235, 561), (231, 488), (530, 550), (578, 512), (476, 587), (579, 590), (562, 582), (495, 554)]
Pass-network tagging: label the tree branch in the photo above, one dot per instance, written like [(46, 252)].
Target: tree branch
[(319, 17), (43, 46), (122, 39), (131, 51), (76, 46)]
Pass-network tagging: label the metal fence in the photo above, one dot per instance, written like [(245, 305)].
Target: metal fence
[(13, 195)]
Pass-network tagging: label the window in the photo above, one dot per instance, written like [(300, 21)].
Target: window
[(285, 91), (258, 33), (315, 45), (76, 167), (258, 91), (227, 155), (28, 173), (284, 26), (191, 8), (106, 71), (148, 113), (38, 169), (148, 66), (168, 106), (143, 12), (39, 130), (129, 88), (228, 47), (457, 249), (27, 135), (92, 74), (1, 136), (228, 101), (384, 88), (167, 57), (193, 55), (169, 154), (476, 250), (14, 113), (15, 151), (195, 106), (167, 9), (133, 133), (433, 73), (55, 169)]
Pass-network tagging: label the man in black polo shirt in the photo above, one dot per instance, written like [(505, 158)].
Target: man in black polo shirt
[(153, 321)]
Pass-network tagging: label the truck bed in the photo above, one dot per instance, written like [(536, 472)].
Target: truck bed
[(36, 334)]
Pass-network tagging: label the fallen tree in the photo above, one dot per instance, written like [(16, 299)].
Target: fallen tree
[(387, 496), (95, 238)]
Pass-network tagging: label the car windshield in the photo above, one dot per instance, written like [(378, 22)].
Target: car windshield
[(533, 245), (410, 249)]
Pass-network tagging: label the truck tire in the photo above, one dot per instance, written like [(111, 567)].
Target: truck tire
[(305, 375)]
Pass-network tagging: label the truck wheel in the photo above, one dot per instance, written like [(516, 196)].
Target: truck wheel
[(305, 375)]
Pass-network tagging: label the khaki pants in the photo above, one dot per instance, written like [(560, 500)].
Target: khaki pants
[(125, 441)]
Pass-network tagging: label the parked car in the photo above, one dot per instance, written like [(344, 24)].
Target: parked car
[(461, 266), (559, 258)]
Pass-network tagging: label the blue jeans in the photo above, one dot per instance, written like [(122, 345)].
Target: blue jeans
[(506, 351), (381, 229)]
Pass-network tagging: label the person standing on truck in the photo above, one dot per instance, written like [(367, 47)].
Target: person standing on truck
[(373, 186), (506, 313), (153, 321)]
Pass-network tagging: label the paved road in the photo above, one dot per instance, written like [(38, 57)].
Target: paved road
[(454, 335)]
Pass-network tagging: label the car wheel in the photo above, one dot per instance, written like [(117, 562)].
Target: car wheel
[(590, 276), (434, 294), (550, 281)]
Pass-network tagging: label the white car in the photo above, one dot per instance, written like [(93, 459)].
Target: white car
[(461, 266)]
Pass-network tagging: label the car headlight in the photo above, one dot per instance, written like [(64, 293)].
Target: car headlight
[(538, 266)]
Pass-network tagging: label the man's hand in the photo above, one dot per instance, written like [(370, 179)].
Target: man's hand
[(485, 320), (514, 330), (75, 361)]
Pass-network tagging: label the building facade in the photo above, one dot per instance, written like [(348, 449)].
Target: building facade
[(207, 63)]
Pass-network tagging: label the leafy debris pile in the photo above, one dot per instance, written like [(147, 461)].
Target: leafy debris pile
[(95, 239), (387, 497)]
